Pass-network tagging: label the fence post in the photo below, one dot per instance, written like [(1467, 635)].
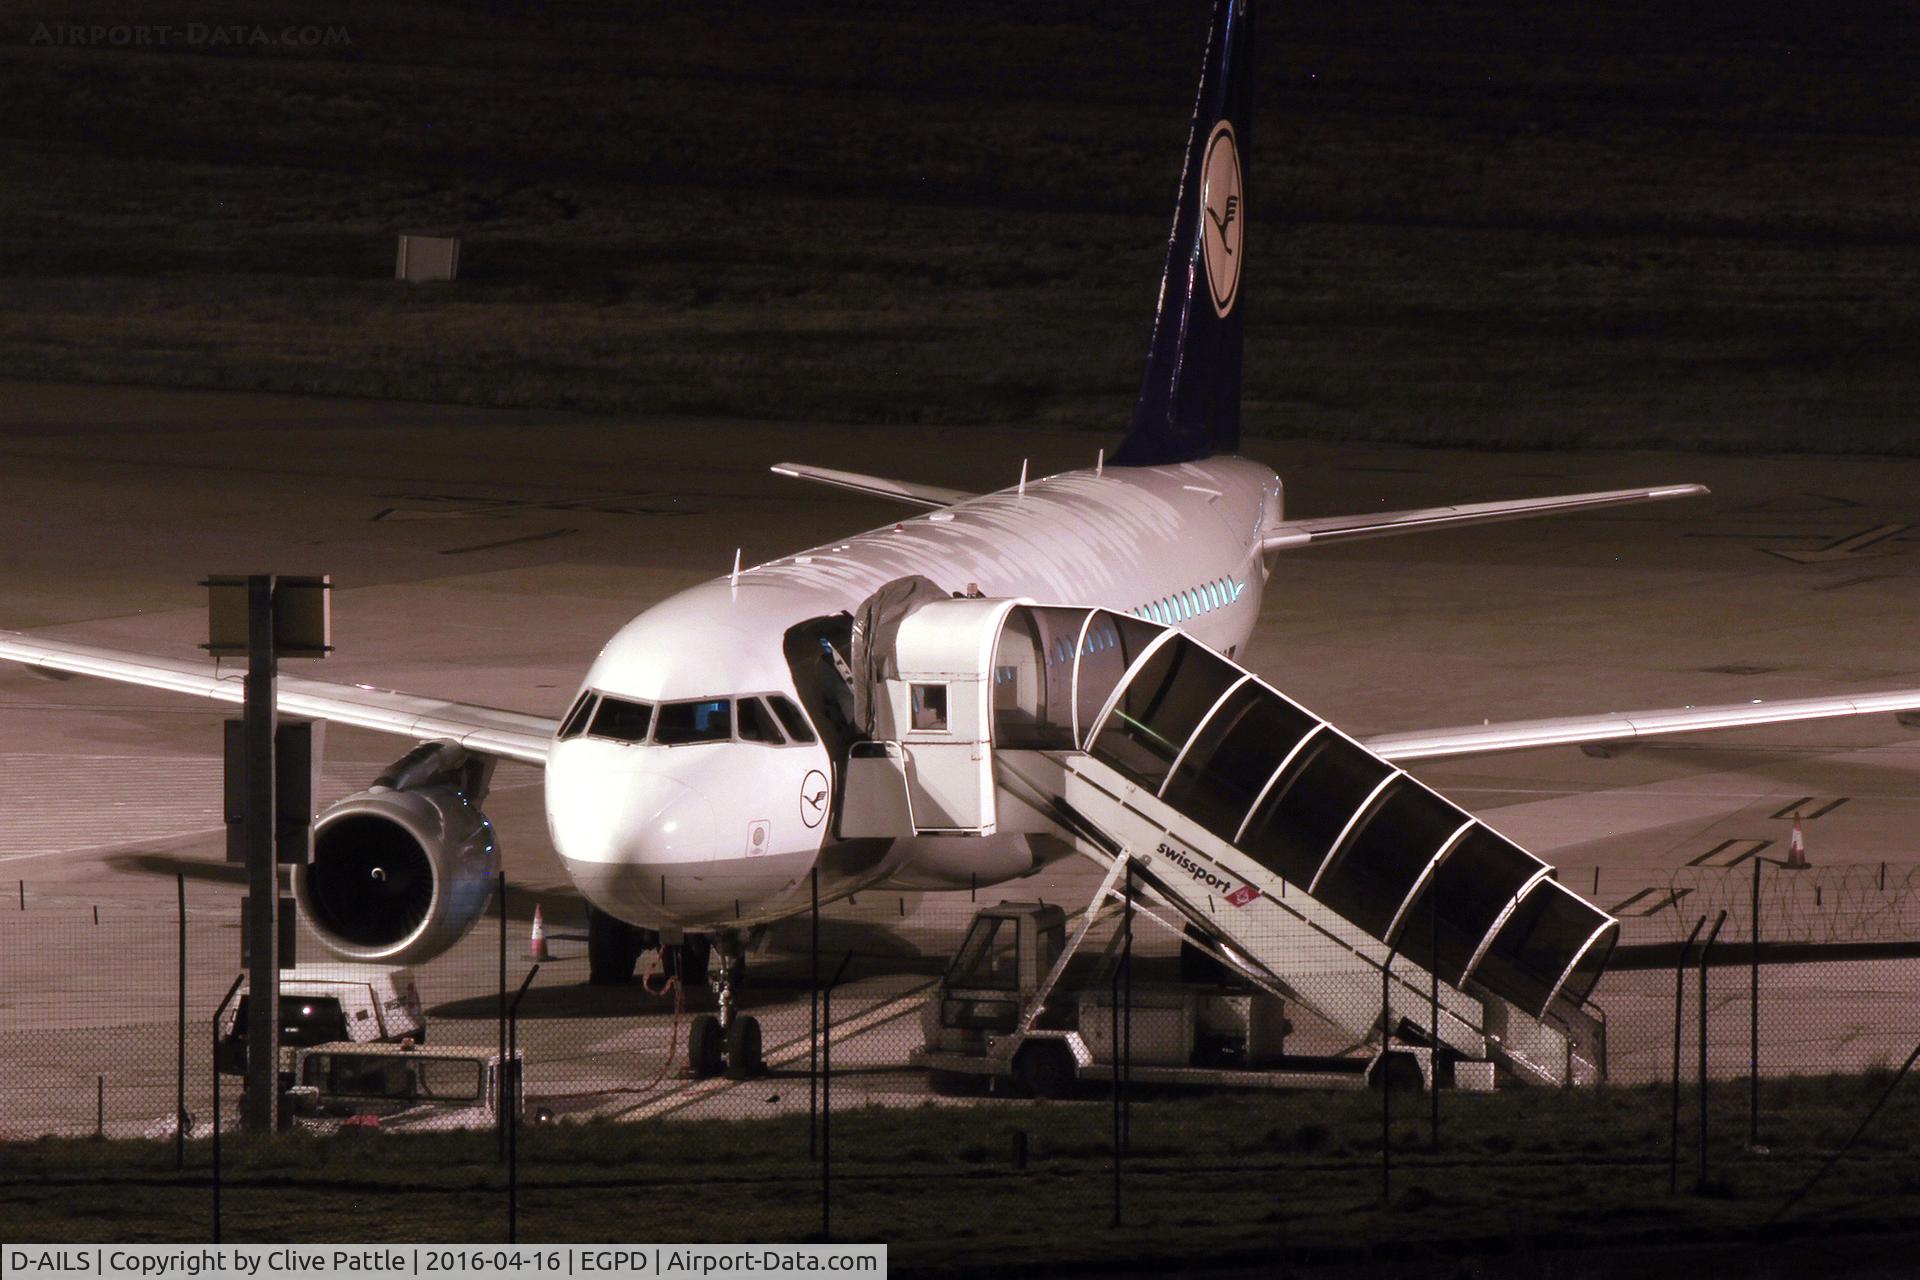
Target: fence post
[(1433, 1010), (826, 1115), (1753, 1019), (1113, 1020), (510, 1096), (219, 1013), (1705, 948), (500, 888), (180, 1073), (813, 1034), (826, 1099), (1126, 1022), (1679, 1003), (1386, 1085), (216, 1130)]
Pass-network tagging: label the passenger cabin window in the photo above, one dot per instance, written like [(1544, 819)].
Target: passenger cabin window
[(929, 706), (797, 727), (708, 720), (621, 720), (576, 722), (756, 723)]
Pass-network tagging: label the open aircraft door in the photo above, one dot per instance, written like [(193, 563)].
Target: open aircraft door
[(928, 768)]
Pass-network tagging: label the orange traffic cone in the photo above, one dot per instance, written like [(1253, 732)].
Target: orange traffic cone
[(537, 944), (1797, 847)]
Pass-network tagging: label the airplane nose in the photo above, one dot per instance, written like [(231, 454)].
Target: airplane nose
[(636, 820), (668, 821)]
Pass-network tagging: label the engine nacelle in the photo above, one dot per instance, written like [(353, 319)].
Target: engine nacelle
[(401, 870)]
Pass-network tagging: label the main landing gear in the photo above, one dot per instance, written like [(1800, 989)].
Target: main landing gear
[(728, 1042), (614, 947)]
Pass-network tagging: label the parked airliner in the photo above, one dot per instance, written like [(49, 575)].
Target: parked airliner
[(691, 786)]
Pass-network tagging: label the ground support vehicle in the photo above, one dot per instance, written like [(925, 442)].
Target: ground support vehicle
[(404, 1087), (1015, 1006), (323, 1003)]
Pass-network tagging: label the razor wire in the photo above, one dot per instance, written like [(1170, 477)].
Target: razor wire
[(1820, 904)]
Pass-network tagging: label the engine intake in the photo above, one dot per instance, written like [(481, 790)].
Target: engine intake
[(401, 870)]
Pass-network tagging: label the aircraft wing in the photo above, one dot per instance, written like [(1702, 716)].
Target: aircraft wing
[(488, 730), (1621, 726), (1321, 529), (920, 495)]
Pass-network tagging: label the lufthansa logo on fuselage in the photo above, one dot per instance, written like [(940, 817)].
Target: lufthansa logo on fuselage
[(813, 798), (1223, 213)]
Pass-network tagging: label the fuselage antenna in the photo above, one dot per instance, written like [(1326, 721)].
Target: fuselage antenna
[(1023, 477)]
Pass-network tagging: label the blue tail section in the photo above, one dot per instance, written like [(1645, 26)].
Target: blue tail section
[(1189, 404)]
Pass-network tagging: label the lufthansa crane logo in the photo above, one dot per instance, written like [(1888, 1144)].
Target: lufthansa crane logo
[(1223, 234), (813, 798)]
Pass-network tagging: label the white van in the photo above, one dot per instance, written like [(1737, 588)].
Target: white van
[(319, 1003)]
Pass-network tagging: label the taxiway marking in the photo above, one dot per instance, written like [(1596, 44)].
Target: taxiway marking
[(858, 1024), (1725, 846), (1792, 808), (1851, 547)]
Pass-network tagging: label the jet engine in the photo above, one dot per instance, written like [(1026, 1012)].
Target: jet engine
[(401, 870)]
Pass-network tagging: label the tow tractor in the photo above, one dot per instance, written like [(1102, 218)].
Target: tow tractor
[(1019, 1004)]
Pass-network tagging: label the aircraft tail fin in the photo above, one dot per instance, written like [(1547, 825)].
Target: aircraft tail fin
[(1189, 405)]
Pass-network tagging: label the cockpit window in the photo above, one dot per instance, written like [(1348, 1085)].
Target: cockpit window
[(708, 720), (621, 720), (797, 727), (576, 722), (756, 722)]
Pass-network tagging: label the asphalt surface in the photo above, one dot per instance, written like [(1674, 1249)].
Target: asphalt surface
[(486, 555)]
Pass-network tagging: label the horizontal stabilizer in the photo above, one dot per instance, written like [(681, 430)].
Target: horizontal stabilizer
[(1620, 726), (1302, 533), (920, 495)]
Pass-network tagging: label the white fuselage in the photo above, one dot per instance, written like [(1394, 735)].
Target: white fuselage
[(718, 833)]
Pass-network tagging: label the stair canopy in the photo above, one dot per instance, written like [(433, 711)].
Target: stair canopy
[(1303, 799)]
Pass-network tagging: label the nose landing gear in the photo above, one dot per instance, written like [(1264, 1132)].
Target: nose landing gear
[(729, 1042)]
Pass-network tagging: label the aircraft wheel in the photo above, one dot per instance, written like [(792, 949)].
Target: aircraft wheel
[(743, 1049), (613, 947), (705, 1047), (1045, 1068)]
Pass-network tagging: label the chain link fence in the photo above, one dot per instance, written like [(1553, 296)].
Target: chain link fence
[(1213, 1112)]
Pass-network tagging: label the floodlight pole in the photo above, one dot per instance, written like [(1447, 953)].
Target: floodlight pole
[(263, 874)]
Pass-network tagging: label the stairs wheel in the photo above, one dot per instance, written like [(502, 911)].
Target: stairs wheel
[(1045, 1069), (1399, 1072)]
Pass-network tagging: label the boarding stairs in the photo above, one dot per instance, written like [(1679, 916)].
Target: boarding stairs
[(1318, 870)]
